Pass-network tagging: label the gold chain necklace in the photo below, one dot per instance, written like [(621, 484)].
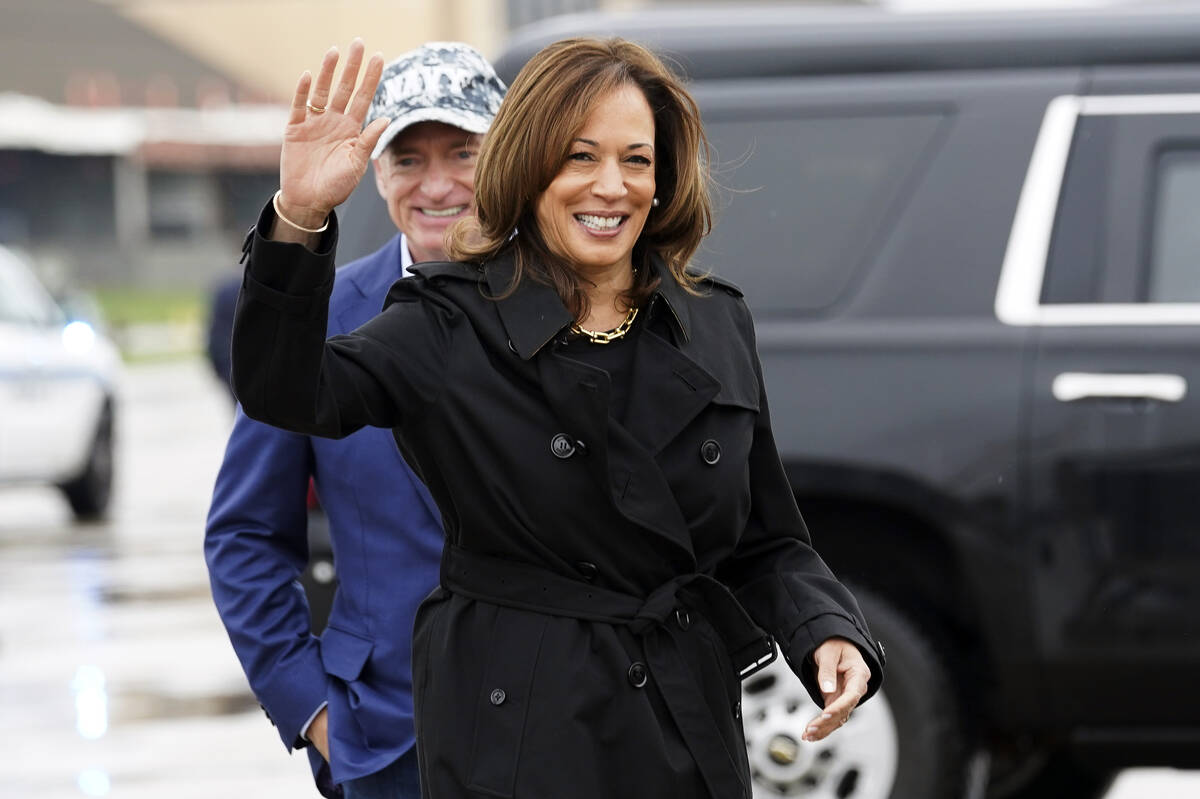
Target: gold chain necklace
[(608, 336)]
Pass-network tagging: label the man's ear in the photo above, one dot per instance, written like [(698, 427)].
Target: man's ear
[(379, 183)]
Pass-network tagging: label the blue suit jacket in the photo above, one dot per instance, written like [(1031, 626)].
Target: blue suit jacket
[(387, 541)]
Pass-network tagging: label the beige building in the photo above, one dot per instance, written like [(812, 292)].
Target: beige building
[(151, 127), (268, 43)]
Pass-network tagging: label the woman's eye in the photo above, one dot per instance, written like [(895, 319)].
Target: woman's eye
[(640, 160), (406, 163), (580, 157), (466, 155)]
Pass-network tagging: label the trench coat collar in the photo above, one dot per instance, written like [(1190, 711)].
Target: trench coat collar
[(534, 314)]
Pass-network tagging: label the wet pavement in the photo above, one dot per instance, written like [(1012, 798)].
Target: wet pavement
[(116, 678)]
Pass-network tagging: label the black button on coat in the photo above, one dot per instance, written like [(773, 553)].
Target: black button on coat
[(475, 389)]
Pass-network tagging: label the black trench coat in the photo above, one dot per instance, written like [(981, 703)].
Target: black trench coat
[(603, 584)]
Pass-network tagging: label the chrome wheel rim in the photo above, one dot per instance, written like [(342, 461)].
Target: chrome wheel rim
[(858, 761)]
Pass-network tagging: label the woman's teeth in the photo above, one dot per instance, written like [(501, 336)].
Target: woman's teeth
[(599, 222), (458, 209)]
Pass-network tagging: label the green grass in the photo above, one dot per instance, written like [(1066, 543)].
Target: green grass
[(132, 305), (154, 324)]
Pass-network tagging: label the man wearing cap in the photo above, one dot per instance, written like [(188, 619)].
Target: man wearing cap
[(349, 692)]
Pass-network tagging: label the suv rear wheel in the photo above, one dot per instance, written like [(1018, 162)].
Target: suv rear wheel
[(90, 491), (907, 741)]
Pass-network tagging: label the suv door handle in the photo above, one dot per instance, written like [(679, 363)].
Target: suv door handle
[(1072, 386)]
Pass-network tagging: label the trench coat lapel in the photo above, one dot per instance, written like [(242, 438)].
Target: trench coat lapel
[(620, 465), (668, 391), (532, 314)]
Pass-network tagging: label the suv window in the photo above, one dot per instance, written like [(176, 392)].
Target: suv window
[(806, 197), (1105, 231), (1074, 262), (1172, 275)]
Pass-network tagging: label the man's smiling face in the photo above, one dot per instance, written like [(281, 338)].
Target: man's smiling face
[(427, 178)]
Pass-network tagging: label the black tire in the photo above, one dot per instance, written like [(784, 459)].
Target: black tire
[(933, 740), (89, 493), (1048, 775)]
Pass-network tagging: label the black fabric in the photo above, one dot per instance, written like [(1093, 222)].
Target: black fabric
[(477, 387), (615, 359), (720, 757)]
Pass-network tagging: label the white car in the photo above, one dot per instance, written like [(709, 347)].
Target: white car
[(57, 394)]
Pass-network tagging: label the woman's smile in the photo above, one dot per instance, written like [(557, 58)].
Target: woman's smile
[(601, 223)]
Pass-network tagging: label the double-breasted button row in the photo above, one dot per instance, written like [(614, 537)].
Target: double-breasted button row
[(710, 451), (497, 696)]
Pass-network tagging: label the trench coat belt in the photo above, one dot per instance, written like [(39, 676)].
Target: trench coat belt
[(531, 588)]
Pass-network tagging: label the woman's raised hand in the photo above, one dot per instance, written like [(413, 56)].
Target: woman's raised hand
[(325, 148)]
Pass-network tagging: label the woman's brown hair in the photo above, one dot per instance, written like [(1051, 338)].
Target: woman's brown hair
[(530, 140)]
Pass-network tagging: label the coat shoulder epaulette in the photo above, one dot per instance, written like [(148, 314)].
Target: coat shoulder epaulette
[(453, 270), (714, 281)]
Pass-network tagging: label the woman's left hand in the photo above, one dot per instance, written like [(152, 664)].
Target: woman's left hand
[(843, 676)]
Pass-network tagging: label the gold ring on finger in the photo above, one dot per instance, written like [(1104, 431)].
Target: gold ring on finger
[(316, 109)]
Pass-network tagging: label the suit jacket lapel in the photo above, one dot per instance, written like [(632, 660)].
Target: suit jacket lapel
[(370, 286)]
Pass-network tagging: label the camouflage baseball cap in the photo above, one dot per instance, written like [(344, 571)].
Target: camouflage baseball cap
[(446, 82)]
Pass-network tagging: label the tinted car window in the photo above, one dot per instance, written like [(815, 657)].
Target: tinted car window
[(1073, 265), (1174, 275), (802, 200)]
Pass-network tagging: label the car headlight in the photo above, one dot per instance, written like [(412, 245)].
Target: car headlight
[(78, 337)]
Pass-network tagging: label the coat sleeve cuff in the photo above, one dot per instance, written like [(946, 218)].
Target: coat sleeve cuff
[(816, 631), (289, 695), (311, 719), (288, 276)]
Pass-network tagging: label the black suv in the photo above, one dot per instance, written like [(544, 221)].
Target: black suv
[(972, 246)]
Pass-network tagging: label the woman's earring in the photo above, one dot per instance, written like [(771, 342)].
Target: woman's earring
[(654, 202)]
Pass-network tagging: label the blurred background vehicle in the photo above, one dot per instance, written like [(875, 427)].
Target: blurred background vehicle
[(58, 386)]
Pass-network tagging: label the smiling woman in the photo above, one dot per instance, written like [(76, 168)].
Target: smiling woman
[(611, 146), (593, 212), (622, 545)]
